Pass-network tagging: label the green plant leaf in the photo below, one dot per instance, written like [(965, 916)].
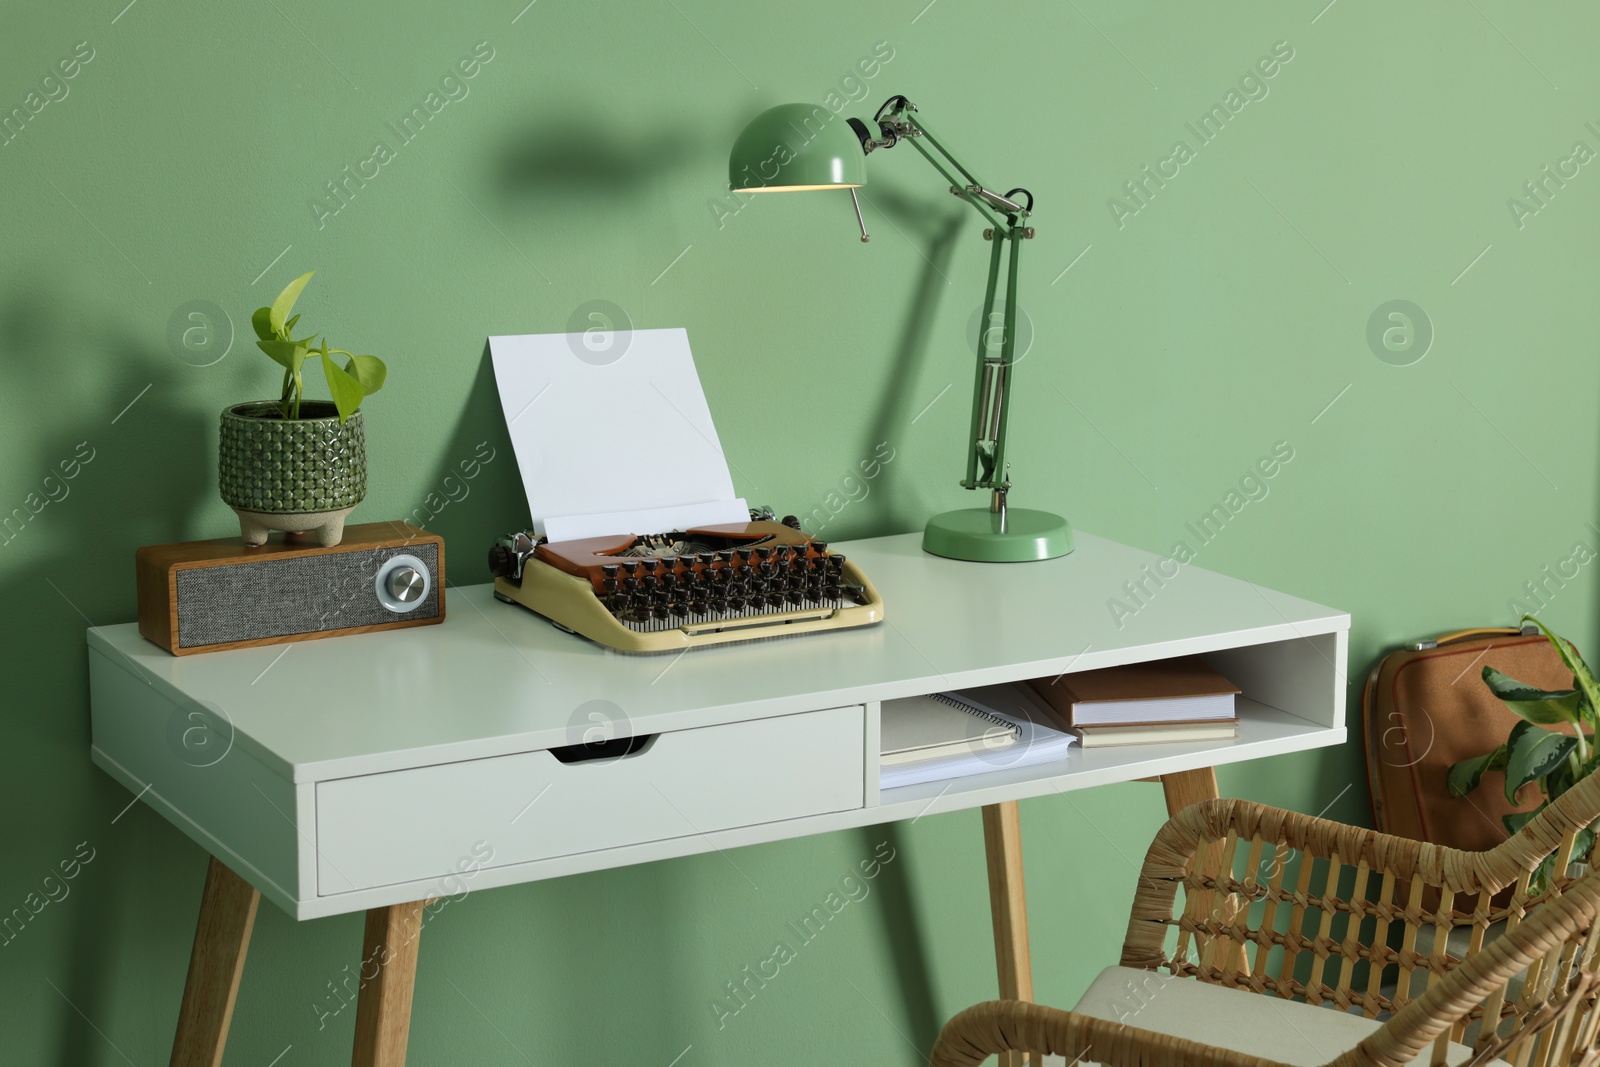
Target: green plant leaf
[(1559, 780), (286, 354), (1582, 677), (285, 301), (369, 371), (1582, 842), (1465, 776), (261, 320), (345, 388), (1539, 877), (1531, 753), (1543, 706)]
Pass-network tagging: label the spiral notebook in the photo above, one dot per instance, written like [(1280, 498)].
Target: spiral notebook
[(1036, 741), (940, 725)]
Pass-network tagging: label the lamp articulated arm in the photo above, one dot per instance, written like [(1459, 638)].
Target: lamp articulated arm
[(801, 146), (898, 120)]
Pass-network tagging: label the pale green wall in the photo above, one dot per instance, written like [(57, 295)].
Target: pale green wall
[(1220, 319)]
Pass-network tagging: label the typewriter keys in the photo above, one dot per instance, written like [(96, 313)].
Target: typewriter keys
[(673, 590)]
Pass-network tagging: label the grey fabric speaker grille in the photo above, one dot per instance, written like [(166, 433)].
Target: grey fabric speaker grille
[(277, 597)]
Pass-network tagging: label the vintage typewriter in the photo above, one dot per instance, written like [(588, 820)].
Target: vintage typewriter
[(700, 586)]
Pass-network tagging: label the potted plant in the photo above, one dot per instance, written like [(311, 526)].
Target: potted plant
[(294, 464), (1551, 749)]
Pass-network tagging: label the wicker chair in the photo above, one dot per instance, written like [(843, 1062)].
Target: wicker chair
[(1352, 961)]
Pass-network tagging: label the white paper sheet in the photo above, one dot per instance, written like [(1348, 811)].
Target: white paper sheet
[(646, 520), (612, 444)]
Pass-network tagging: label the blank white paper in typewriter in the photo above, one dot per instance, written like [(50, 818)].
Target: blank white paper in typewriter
[(612, 433)]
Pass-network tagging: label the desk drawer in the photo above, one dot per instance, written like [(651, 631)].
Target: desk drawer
[(402, 826)]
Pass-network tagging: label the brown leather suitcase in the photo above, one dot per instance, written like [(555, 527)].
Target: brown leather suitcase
[(1425, 708)]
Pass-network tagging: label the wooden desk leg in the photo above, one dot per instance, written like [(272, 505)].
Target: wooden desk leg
[(388, 974), (1002, 842), (1189, 787), (221, 938)]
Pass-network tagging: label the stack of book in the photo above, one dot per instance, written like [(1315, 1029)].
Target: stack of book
[(965, 732), (1144, 703)]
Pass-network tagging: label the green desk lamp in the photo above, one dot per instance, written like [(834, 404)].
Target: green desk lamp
[(799, 147)]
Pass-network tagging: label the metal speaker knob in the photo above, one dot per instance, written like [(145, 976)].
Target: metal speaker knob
[(403, 583)]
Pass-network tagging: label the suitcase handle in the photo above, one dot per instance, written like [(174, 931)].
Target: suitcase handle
[(1482, 631)]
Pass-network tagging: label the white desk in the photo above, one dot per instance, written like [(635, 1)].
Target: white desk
[(360, 773)]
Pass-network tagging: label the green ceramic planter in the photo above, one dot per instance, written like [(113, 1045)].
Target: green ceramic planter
[(273, 466)]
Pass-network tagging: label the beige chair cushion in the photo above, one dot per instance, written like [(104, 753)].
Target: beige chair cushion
[(1283, 1030)]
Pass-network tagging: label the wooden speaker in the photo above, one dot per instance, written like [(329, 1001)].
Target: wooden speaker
[(204, 596)]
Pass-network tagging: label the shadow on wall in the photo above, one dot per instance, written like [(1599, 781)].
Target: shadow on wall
[(583, 156), (113, 459), (934, 229), (143, 456), (475, 494), (120, 462), (901, 932), (89, 982), (1593, 544)]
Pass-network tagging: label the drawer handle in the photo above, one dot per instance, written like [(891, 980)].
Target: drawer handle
[(616, 748)]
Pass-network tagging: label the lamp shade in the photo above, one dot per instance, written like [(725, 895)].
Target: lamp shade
[(796, 146)]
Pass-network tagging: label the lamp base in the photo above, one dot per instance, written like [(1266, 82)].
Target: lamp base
[(975, 534)]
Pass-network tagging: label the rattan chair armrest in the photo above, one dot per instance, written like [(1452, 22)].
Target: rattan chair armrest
[(997, 1026), (1306, 835), (1285, 833), (1548, 930), (1202, 826), (1462, 872)]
